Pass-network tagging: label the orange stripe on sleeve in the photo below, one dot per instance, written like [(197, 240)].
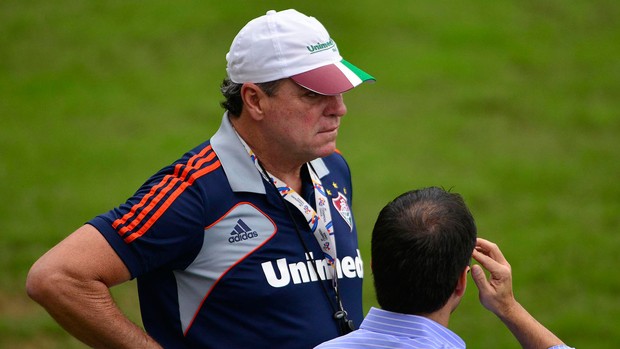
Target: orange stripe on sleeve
[(170, 200), (171, 181), (163, 193), (149, 207), (142, 202)]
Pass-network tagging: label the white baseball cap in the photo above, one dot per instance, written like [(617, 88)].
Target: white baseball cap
[(289, 44)]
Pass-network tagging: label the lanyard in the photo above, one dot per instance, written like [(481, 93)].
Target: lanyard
[(319, 221)]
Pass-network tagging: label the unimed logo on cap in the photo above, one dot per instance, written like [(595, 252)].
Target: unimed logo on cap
[(321, 46)]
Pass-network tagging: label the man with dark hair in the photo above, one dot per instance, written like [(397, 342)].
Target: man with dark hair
[(422, 245), (246, 241)]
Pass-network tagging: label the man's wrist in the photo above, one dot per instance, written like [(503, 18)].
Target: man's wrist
[(510, 311)]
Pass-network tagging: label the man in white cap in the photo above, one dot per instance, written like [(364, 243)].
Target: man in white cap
[(248, 240)]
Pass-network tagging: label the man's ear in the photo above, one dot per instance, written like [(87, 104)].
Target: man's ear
[(461, 285), (253, 97)]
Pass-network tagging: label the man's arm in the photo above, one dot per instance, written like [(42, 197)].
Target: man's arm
[(72, 280), (497, 296)]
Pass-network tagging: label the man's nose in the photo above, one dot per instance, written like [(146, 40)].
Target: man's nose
[(336, 106)]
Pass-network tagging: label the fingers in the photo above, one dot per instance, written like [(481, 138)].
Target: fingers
[(490, 249), (495, 290), (480, 279), (486, 292), (487, 262), (491, 258)]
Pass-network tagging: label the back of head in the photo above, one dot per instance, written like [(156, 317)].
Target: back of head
[(421, 243)]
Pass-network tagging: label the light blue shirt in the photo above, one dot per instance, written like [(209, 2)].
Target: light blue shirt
[(385, 329)]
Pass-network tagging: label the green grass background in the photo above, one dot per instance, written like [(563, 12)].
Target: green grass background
[(513, 104)]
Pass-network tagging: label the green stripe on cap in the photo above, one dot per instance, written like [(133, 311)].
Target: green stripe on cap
[(357, 71)]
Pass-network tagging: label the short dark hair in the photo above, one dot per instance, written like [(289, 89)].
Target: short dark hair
[(232, 94), (421, 243)]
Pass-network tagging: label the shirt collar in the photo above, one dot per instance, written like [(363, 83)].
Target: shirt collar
[(411, 326), (240, 171)]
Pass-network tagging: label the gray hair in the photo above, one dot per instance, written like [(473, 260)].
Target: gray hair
[(232, 94)]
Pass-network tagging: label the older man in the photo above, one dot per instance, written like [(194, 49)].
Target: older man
[(247, 241)]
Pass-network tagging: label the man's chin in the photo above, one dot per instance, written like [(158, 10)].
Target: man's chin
[(327, 150)]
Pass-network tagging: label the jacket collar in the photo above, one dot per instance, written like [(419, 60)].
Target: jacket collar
[(238, 167)]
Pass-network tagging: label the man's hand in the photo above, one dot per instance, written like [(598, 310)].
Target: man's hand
[(495, 293)]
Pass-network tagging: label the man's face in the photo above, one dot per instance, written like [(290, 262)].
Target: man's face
[(302, 124)]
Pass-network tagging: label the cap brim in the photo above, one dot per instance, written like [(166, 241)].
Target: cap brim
[(332, 79)]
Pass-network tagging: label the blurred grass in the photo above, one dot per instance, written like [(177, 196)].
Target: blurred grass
[(513, 104)]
